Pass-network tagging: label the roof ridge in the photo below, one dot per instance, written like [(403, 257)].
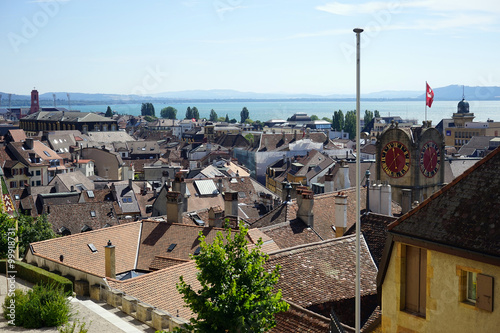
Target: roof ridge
[(128, 224), (445, 188), (305, 247)]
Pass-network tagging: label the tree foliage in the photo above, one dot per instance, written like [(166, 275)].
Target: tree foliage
[(189, 113), (376, 114), (29, 230), (169, 112), (314, 117), (368, 117), (350, 124), (147, 109), (338, 120), (244, 114), (227, 118), (196, 114), (236, 292), (213, 115), (109, 112)]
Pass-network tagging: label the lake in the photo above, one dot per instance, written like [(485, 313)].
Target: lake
[(266, 110)]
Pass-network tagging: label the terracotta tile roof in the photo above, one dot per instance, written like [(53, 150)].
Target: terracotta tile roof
[(145, 199), (159, 288), (374, 229), (298, 319), (275, 141), (291, 233), (78, 255), (160, 262), (463, 214), (74, 217), (17, 135), (323, 272), (157, 237)]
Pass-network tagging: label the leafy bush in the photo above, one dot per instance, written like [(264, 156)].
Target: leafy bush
[(35, 274), (43, 306), (75, 327)]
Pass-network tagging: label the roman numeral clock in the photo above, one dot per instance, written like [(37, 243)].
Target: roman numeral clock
[(410, 158)]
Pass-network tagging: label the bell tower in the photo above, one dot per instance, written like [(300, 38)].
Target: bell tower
[(34, 101)]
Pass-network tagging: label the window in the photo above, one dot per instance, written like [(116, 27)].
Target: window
[(476, 289), (38, 183), (415, 284), (13, 184), (92, 213), (37, 172)]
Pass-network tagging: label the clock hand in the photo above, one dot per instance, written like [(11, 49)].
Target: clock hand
[(395, 158)]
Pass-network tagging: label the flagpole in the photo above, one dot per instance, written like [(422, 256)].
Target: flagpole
[(357, 311), (425, 99)]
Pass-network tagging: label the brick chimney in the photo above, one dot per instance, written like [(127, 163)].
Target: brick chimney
[(109, 260), (305, 202), (405, 200), (174, 207), (215, 217), (179, 185), (231, 203), (340, 214)]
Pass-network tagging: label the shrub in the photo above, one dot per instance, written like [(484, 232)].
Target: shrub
[(75, 327), (43, 306), (35, 274)]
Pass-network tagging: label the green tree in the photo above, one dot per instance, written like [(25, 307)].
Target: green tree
[(150, 119), (327, 119), (221, 119), (314, 117), (244, 114), (29, 230), (109, 112), (213, 115), (227, 118), (368, 117), (189, 113), (377, 114), (236, 292), (350, 124), (147, 109), (338, 120), (169, 112), (196, 114), (250, 138), (248, 121), (233, 121)]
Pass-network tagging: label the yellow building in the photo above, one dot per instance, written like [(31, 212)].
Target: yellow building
[(441, 268), (463, 128)]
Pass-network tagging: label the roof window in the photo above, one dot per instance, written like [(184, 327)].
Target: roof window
[(171, 247), (92, 247)]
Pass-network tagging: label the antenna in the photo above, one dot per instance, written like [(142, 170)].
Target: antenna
[(69, 102), (463, 92), (54, 97)]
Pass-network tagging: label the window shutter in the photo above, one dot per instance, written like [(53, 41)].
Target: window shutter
[(484, 298)]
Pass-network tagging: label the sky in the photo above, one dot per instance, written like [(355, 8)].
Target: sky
[(288, 46)]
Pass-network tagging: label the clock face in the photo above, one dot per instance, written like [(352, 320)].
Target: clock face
[(430, 159), (395, 159)]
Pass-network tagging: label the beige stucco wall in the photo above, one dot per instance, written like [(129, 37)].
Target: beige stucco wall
[(445, 312)]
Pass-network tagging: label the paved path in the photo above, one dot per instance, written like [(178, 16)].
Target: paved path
[(101, 316)]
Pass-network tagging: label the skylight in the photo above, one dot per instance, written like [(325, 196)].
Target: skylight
[(90, 193), (46, 153), (92, 247), (92, 213), (171, 247), (197, 251)]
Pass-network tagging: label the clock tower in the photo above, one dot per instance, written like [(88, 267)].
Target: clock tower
[(411, 160), (35, 107)]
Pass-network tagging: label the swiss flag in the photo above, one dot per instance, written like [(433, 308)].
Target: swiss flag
[(429, 96)]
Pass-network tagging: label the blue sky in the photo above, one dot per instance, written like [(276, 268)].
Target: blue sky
[(290, 46)]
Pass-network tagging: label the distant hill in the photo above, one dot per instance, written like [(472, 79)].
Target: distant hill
[(448, 93)]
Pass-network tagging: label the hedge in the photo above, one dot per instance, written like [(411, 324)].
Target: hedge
[(38, 275)]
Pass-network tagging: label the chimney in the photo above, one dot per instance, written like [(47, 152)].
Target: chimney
[(295, 135), (386, 200), (29, 143), (340, 214), (231, 203), (130, 183), (343, 176), (109, 260), (405, 200), (219, 185), (179, 185), (305, 201), (174, 207), (328, 183), (214, 217)]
